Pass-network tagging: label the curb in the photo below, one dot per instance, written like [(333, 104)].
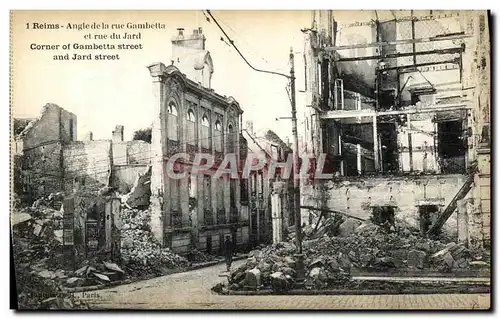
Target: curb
[(130, 281), (333, 292)]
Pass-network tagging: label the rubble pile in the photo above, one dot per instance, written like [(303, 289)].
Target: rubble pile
[(38, 292), (141, 254), (95, 273), (38, 257), (372, 247), (197, 256), (329, 260), (275, 267)]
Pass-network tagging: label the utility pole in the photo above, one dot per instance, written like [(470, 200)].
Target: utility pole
[(296, 175)]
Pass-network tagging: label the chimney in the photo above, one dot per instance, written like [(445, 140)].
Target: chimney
[(89, 136), (249, 127), (194, 41), (200, 30), (118, 134)]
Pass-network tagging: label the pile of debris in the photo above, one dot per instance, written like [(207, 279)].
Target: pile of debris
[(329, 260), (196, 256), (141, 254), (376, 248), (34, 291), (275, 267), (54, 200), (38, 255), (93, 273)]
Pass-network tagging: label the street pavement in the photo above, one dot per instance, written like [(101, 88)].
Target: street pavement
[(191, 290)]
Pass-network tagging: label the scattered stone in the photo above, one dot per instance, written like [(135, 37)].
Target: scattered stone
[(348, 227), (113, 266), (448, 259), (279, 282), (19, 218), (425, 246), (47, 274), (318, 262), (101, 276), (252, 278), (443, 251), (290, 261), (416, 258), (288, 271), (251, 262)]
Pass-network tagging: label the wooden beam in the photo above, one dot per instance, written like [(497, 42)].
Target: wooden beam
[(375, 144), (333, 211), (406, 41), (401, 55), (413, 66), (410, 142), (429, 109)]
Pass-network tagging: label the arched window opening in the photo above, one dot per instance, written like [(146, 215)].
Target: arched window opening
[(172, 109), (230, 139), (190, 127), (205, 132), (172, 122), (218, 136), (190, 115)]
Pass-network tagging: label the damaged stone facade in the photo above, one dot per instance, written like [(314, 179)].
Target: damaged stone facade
[(402, 97), (198, 211), (39, 148), (48, 158), (256, 191)]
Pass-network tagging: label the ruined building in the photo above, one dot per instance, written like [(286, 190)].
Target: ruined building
[(256, 191), (39, 151), (48, 158), (197, 211), (400, 102)]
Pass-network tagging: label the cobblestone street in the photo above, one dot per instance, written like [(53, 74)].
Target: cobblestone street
[(191, 290)]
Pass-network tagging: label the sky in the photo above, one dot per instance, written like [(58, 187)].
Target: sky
[(104, 94)]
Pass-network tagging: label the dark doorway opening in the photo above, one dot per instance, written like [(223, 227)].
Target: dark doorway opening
[(451, 147), (383, 215), (428, 215), (388, 147)]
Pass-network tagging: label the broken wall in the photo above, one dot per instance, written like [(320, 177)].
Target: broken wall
[(124, 176), (87, 163), (41, 142), (42, 172), (131, 152), (358, 196)]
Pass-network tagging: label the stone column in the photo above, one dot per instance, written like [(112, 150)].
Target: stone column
[(276, 218), (157, 164)]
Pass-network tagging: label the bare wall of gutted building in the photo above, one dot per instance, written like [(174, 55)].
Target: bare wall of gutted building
[(87, 163), (131, 152), (408, 194)]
